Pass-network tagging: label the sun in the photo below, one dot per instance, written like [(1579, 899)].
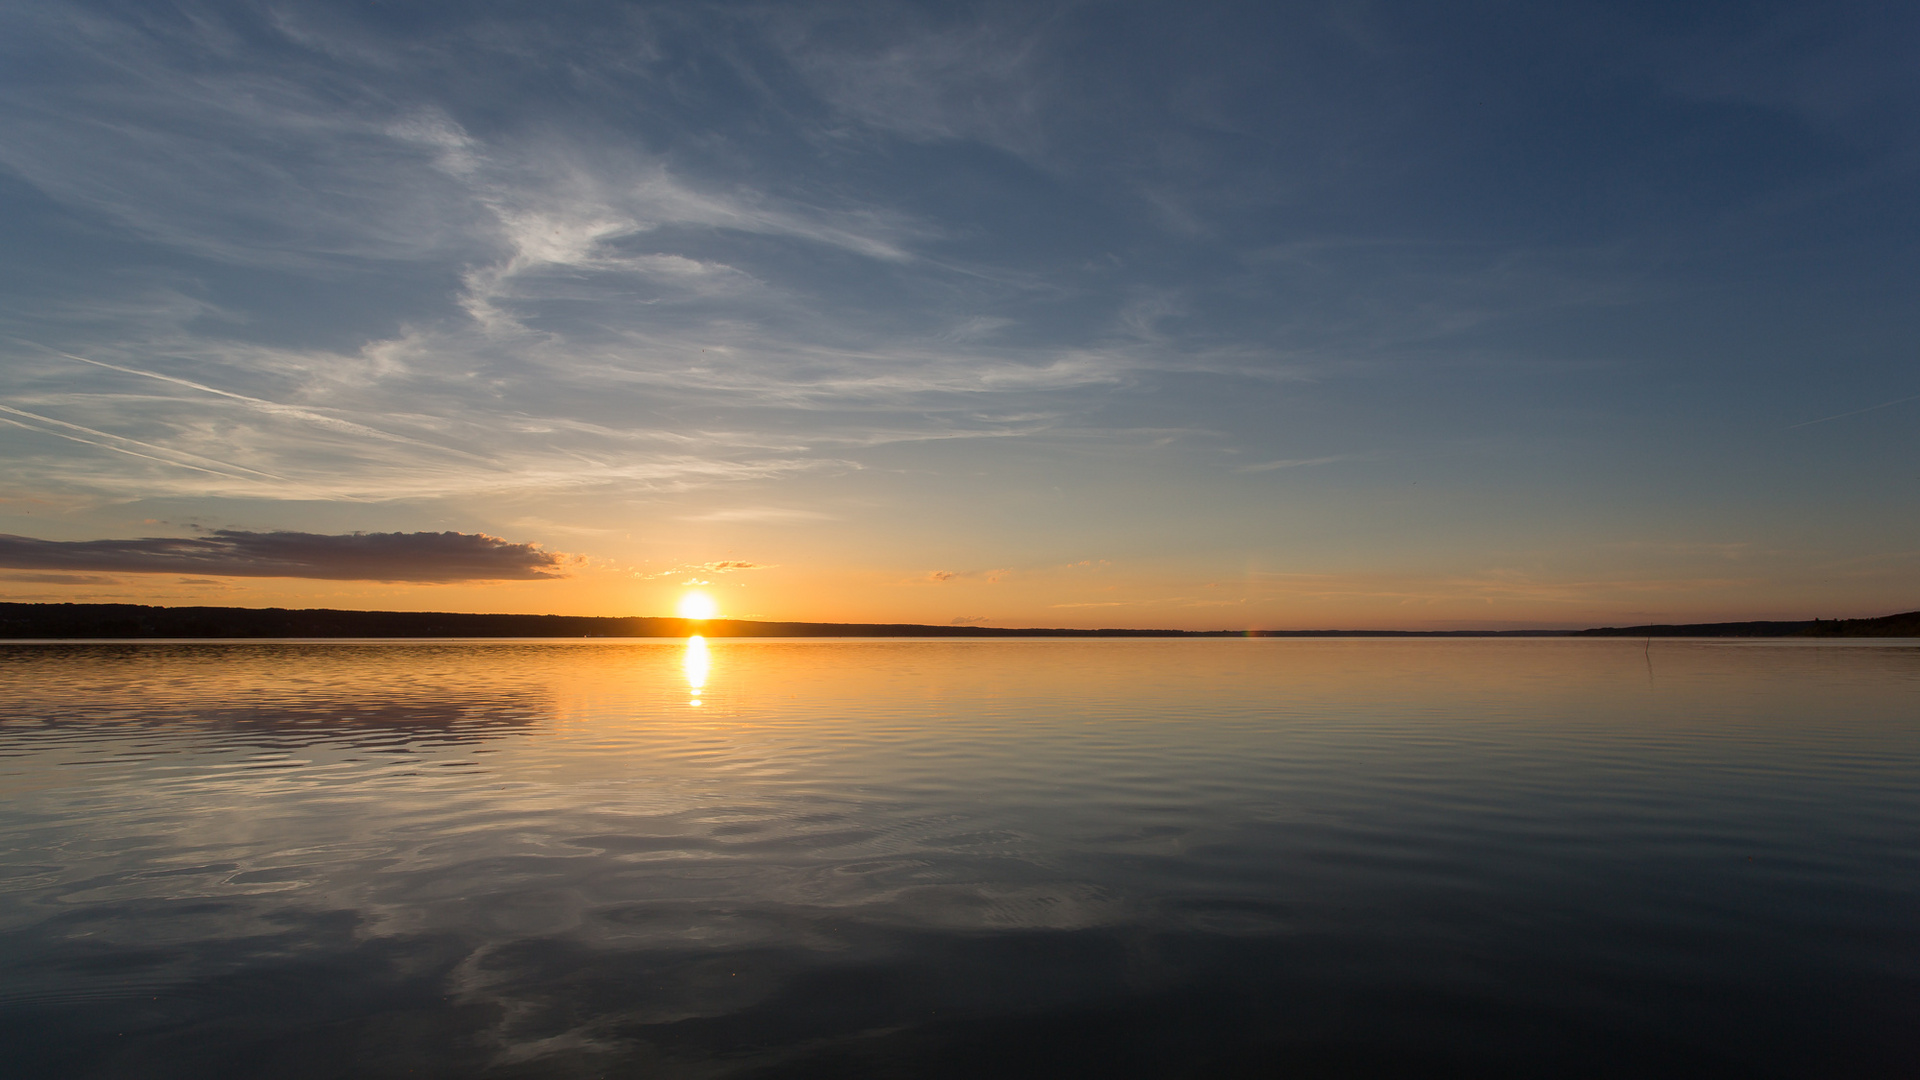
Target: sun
[(697, 606)]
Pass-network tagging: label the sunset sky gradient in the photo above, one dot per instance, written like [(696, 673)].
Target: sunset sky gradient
[(1204, 315)]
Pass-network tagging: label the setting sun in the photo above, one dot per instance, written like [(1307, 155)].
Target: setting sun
[(697, 606)]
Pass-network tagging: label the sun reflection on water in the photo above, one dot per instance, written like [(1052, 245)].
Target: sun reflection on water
[(696, 663)]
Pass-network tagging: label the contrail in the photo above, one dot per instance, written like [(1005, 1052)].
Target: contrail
[(124, 450), (274, 407), (173, 460), (1856, 412)]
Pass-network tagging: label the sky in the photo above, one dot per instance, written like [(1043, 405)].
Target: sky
[(1200, 315)]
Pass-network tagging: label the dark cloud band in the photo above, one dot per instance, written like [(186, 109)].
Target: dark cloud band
[(425, 557)]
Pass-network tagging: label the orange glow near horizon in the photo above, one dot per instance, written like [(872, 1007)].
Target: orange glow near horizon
[(1074, 597)]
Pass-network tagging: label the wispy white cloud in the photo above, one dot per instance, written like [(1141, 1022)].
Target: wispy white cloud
[(982, 81), (597, 304), (659, 267)]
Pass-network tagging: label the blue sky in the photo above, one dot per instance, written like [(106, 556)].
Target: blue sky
[(1072, 314)]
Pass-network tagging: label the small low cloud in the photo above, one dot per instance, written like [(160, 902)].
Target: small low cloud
[(760, 513), (968, 620), (1735, 550), (724, 566), (422, 557), (993, 577), (1289, 463), (61, 579)]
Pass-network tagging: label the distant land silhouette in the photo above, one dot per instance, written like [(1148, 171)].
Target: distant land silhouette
[(125, 621), (1905, 624)]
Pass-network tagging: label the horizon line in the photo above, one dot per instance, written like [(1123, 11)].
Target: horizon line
[(892, 629)]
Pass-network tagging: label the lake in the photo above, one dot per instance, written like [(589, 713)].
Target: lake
[(961, 858)]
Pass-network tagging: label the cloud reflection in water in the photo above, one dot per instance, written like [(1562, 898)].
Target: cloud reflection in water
[(1129, 858)]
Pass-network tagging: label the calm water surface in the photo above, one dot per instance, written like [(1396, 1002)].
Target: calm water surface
[(960, 858)]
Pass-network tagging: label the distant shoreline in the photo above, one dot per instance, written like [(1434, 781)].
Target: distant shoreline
[(140, 621)]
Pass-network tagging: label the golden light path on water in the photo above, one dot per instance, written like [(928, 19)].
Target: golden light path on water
[(696, 663)]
